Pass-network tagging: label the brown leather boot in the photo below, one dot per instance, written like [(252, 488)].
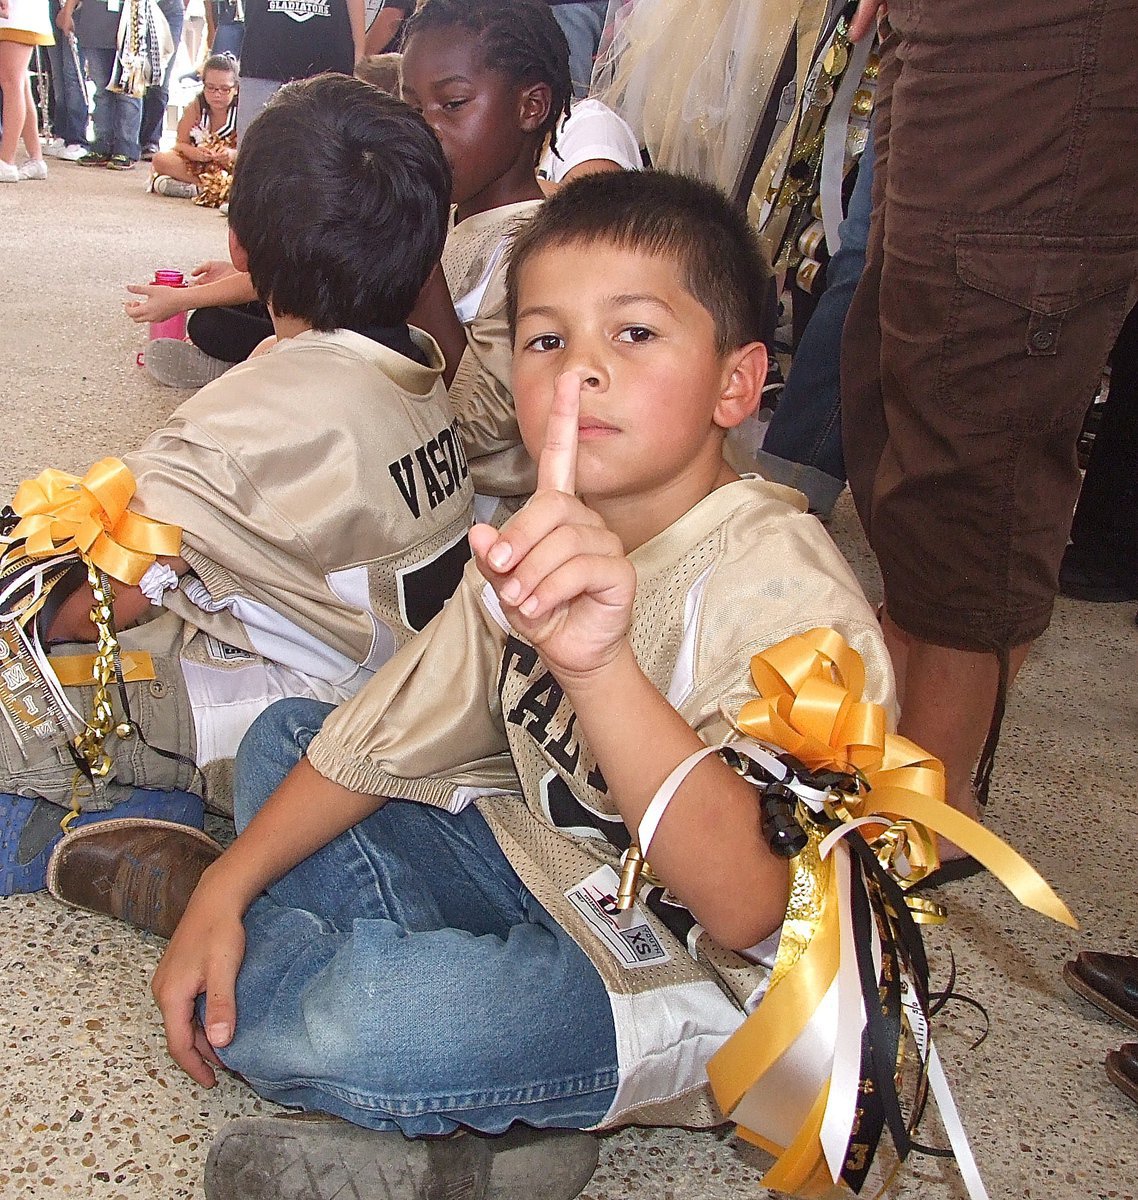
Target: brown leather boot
[(1108, 981), (138, 870), (1122, 1069)]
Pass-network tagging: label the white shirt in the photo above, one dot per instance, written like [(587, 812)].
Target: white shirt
[(591, 130)]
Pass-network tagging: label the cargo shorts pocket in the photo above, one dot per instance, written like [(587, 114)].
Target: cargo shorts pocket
[(1031, 324), (151, 746)]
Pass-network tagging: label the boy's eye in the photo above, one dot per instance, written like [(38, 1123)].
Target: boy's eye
[(451, 105), (635, 333), (545, 342)]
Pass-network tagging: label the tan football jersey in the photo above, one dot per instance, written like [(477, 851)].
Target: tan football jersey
[(469, 708), (324, 497), (474, 262)]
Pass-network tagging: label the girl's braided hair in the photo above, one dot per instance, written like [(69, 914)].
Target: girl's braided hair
[(521, 39)]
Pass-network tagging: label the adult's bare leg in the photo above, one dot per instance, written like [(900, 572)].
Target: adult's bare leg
[(31, 132), (14, 59), (950, 697)]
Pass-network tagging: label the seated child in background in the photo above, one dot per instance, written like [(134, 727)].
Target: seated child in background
[(460, 980), (491, 78), (320, 489), (381, 71), (227, 323), (205, 146)]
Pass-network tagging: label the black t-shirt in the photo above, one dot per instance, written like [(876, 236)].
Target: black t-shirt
[(295, 39)]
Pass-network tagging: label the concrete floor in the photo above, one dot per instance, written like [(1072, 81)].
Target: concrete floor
[(90, 1106)]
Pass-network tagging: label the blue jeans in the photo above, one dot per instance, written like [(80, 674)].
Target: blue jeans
[(117, 115), (158, 94), (68, 86), (582, 25), (803, 444), (228, 38), (404, 977)]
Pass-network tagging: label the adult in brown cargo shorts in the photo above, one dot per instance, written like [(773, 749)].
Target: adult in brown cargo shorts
[(1003, 257)]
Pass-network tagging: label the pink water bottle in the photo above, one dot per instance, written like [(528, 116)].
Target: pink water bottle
[(175, 326)]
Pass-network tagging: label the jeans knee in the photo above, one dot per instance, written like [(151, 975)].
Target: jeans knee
[(276, 741)]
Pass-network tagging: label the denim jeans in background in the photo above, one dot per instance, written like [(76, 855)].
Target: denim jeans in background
[(404, 977), (803, 443), (228, 39), (158, 95), (582, 25), (117, 115), (67, 84)]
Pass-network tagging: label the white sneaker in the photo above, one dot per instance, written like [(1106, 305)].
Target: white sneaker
[(51, 145), (164, 185), (34, 168), (9, 172), (71, 153), (182, 364)]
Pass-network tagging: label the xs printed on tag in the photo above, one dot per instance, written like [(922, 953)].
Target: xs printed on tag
[(628, 937)]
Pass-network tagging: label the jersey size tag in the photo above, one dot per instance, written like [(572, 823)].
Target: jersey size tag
[(221, 651), (627, 936)]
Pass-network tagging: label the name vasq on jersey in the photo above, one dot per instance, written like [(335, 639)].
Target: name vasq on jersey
[(438, 464)]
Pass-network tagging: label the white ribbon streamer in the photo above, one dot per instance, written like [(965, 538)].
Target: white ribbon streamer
[(845, 1075), (658, 805), (954, 1127)]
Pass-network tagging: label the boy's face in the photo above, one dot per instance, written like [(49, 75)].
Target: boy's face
[(656, 394), (482, 120)]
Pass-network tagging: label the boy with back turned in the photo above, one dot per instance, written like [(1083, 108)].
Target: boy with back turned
[(403, 935), (319, 494)]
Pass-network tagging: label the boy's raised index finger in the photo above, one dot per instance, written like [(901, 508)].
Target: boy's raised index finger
[(557, 467)]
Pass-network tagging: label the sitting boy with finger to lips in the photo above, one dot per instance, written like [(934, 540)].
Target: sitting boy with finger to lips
[(442, 845)]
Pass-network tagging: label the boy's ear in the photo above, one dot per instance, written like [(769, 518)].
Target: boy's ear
[(536, 100), (237, 255), (745, 372)]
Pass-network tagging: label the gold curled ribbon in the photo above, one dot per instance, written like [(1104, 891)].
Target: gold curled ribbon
[(811, 705), (61, 513)]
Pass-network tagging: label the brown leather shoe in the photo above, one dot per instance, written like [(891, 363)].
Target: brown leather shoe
[(138, 870), (1108, 981), (1122, 1069)]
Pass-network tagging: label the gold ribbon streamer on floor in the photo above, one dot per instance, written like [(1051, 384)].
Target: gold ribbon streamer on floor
[(61, 512), (810, 704)]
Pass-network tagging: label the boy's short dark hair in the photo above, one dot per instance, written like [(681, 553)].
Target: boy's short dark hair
[(340, 200), (658, 213), (521, 39)]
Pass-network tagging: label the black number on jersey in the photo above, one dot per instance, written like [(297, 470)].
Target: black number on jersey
[(425, 587)]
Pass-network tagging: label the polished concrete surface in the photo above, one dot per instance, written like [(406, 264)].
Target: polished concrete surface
[(90, 1106)]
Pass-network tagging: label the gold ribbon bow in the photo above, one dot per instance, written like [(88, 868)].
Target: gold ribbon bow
[(811, 705), (777, 1063), (61, 513)]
